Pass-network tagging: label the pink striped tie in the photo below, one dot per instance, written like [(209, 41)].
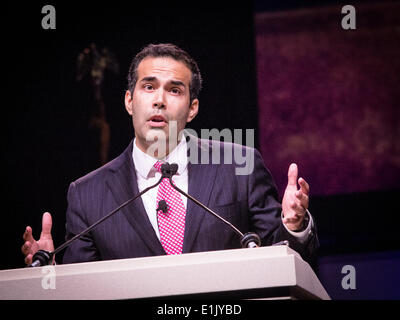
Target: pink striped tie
[(172, 223)]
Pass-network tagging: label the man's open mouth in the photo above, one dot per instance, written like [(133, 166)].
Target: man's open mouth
[(157, 121)]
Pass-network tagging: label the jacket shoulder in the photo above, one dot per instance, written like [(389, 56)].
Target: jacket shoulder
[(107, 169)]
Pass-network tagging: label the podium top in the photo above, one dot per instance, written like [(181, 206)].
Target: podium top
[(236, 270)]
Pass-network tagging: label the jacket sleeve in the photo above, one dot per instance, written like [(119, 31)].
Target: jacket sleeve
[(84, 248)]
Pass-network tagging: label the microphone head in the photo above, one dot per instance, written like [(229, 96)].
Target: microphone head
[(173, 167), (251, 240), (41, 258), (168, 170), (165, 167), (163, 206)]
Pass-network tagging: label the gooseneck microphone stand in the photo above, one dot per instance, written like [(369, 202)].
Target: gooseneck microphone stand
[(248, 240), (43, 257)]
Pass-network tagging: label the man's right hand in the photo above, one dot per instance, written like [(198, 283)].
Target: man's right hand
[(31, 246)]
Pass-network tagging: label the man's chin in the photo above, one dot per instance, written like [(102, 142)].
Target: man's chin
[(156, 135)]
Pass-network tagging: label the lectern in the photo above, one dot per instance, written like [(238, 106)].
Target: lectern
[(257, 273)]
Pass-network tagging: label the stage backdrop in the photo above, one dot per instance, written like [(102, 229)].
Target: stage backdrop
[(329, 98)]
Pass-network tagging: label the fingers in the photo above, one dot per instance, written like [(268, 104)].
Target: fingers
[(46, 226), (304, 187), (292, 179), (302, 198), (297, 208), (26, 247), (294, 216), (28, 259), (292, 175), (27, 236), (290, 220)]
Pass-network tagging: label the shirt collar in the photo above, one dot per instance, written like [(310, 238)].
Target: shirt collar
[(144, 163)]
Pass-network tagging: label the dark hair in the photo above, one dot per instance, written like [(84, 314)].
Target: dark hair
[(166, 50)]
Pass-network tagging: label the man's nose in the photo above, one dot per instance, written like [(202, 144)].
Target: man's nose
[(159, 99)]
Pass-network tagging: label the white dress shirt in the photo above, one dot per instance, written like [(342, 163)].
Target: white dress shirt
[(147, 175)]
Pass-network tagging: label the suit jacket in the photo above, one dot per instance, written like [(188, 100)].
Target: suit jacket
[(250, 202)]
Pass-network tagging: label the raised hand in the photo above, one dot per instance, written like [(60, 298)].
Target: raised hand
[(45, 242), (295, 200)]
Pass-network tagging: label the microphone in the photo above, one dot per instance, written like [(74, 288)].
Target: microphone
[(43, 257), (163, 206), (168, 170), (248, 240)]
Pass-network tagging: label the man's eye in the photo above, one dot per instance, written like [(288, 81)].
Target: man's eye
[(148, 87), (175, 91)]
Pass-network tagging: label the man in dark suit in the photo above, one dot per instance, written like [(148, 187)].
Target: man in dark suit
[(164, 83)]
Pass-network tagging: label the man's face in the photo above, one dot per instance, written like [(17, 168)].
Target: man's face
[(160, 99)]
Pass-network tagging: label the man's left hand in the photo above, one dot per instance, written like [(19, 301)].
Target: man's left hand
[(295, 201)]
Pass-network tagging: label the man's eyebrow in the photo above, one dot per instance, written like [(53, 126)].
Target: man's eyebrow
[(152, 79), (148, 79), (177, 83)]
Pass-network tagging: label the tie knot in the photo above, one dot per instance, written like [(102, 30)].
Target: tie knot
[(158, 165)]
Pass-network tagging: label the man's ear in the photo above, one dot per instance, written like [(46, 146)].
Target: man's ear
[(193, 110), (128, 101)]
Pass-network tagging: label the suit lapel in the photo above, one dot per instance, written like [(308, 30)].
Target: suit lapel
[(201, 181), (123, 186)]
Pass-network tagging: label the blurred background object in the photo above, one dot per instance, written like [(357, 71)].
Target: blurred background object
[(93, 64)]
